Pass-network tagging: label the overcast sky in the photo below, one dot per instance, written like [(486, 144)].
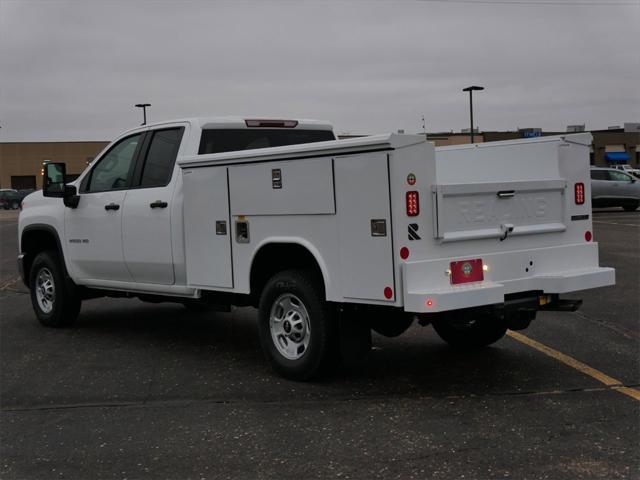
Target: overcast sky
[(72, 70)]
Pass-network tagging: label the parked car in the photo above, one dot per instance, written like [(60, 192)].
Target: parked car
[(628, 169), (612, 188), (10, 199)]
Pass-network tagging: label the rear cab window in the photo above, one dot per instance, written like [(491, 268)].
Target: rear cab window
[(599, 175), (235, 139), (160, 157)]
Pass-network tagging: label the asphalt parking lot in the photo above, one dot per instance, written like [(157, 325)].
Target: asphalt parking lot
[(152, 391)]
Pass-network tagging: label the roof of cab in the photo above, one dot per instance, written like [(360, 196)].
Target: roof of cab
[(239, 122)]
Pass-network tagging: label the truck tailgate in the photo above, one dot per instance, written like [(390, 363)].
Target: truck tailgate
[(510, 189), (466, 211)]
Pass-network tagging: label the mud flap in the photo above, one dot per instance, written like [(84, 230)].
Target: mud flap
[(354, 338)]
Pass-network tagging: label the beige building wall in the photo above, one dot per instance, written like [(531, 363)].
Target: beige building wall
[(454, 139), (24, 159)]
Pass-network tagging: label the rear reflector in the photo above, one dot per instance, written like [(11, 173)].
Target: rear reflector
[(579, 193), (413, 204), (271, 123), (466, 271)]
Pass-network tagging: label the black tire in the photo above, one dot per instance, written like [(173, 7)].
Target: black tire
[(15, 205), (392, 325), (64, 304), (302, 289), (631, 207), (470, 330)]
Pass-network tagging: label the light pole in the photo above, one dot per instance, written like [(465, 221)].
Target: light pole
[(470, 90), (143, 106)]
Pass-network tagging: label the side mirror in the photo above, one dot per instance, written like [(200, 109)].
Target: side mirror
[(55, 184), (54, 180)]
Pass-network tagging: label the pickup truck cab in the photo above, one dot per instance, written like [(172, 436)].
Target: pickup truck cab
[(327, 238)]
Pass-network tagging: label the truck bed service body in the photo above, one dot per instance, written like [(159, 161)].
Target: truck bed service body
[(328, 238)]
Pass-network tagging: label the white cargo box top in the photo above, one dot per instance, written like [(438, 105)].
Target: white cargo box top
[(316, 149)]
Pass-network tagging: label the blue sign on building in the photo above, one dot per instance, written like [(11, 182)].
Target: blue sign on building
[(531, 133)]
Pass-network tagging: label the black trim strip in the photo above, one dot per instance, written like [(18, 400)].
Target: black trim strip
[(229, 230), (393, 249), (579, 217)]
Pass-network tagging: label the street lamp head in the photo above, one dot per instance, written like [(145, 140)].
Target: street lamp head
[(472, 88), (142, 105)]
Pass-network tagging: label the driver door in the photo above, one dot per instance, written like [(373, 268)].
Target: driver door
[(93, 230)]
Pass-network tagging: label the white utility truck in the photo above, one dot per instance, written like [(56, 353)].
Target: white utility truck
[(328, 238)]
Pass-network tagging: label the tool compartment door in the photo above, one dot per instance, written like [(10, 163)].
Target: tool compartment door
[(207, 227), (366, 256)]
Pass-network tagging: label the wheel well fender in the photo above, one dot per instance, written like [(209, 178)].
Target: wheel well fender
[(38, 238), (273, 256)]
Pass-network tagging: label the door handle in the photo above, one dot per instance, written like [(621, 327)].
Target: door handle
[(158, 204), (112, 206)]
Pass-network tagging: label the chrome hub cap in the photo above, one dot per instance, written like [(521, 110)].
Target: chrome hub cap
[(289, 325), (45, 290)]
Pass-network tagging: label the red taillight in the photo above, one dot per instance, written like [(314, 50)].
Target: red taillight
[(588, 236), (466, 271), (579, 193), (271, 123), (404, 253), (413, 204)]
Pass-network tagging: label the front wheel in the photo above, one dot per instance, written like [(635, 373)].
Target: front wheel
[(298, 330), (54, 303), (632, 207), (468, 330), (15, 205)]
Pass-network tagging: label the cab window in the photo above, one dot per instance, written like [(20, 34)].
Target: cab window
[(619, 176), (160, 157), (599, 175), (235, 139), (115, 169)]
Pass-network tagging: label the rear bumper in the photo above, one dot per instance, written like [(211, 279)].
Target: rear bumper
[(427, 288)]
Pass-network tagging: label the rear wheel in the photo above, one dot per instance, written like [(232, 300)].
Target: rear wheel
[(54, 303), (298, 329), (15, 205), (632, 207), (392, 324), (470, 329)]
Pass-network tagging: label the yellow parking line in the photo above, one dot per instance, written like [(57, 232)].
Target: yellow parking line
[(577, 365), (9, 282)]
